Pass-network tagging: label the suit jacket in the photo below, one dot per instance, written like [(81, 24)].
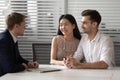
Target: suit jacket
[(10, 59)]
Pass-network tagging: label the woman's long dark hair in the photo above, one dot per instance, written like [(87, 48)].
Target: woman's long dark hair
[(72, 20)]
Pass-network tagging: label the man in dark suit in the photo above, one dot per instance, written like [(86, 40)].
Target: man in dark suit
[(10, 59)]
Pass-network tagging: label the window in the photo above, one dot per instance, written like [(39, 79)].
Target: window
[(3, 6)]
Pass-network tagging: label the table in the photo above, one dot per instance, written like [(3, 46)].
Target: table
[(65, 74)]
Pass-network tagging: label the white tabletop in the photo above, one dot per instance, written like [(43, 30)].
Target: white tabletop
[(65, 74)]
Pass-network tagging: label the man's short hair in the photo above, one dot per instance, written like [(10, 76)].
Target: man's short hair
[(94, 15), (14, 18)]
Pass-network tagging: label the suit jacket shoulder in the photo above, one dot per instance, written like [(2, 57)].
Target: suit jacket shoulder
[(10, 58)]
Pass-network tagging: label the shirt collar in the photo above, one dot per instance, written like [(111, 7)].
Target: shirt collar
[(96, 38), (14, 38)]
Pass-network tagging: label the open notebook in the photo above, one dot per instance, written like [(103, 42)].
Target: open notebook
[(49, 69)]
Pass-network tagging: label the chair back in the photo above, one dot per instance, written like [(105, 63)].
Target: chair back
[(41, 52)]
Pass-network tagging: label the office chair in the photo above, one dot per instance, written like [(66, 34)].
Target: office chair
[(117, 53), (41, 52)]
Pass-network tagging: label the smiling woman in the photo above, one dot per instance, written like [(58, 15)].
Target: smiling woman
[(66, 41)]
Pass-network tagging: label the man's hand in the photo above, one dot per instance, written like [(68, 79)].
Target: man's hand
[(33, 64), (71, 62)]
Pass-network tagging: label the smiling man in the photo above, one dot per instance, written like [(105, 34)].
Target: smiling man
[(10, 59), (96, 48)]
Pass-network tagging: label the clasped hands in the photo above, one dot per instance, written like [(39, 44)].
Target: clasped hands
[(31, 65), (71, 62)]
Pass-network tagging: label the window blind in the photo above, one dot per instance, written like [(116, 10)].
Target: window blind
[(41, 22), (3, 6)]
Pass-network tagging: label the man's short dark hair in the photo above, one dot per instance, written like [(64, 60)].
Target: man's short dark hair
[(14, 18), (94, 15)]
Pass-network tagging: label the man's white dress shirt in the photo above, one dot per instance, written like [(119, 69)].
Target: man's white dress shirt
[(101, 48)]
